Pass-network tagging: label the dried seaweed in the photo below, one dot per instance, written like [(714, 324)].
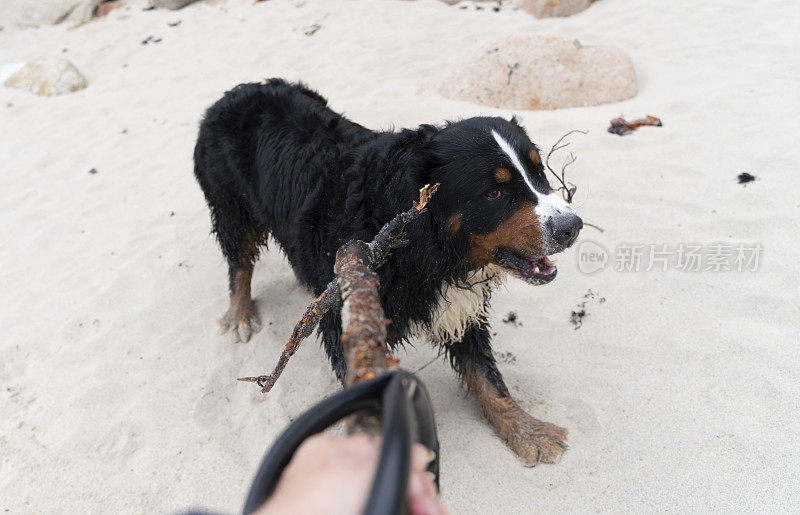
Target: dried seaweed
[(621, 127)]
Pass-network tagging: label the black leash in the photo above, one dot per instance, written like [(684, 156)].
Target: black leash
[(407, 417)]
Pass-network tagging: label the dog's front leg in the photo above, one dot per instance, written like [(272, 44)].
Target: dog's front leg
[(533, 440)]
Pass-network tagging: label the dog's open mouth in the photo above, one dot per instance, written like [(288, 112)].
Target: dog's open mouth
[(535, 270)]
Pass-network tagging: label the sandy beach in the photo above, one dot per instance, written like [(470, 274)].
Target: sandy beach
[(680, 389)]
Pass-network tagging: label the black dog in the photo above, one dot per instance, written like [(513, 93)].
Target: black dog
[(273, 159)]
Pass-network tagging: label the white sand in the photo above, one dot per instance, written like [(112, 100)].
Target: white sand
[(681, 391)]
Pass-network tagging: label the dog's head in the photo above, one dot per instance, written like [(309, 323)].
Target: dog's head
[(496, 199)]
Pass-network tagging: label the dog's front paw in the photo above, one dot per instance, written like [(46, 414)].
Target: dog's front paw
[(535, 441), (241, 321)]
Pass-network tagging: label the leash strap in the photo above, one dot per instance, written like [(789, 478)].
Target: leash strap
[(407, 416)]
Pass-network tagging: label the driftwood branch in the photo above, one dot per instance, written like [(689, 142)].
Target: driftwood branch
[(304, 328), (363, 320), (364, 326), (356, 263)]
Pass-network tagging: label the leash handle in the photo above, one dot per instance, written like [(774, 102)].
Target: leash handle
[(407, 416)]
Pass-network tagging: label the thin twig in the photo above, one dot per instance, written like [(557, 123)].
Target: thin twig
[(375, 254), (567, 188), (568, 191), (304, 327), (423, 367), (595, 226)]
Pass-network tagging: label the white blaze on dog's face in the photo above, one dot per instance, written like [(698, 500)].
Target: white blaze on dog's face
[(499, 200), (548, 204)]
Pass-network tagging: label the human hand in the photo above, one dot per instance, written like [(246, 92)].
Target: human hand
[(334, 473)]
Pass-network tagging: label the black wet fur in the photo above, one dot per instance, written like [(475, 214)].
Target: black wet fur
[(273, 159)]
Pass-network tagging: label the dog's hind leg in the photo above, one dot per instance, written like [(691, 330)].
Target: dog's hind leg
[(240, 240), (533, 440)]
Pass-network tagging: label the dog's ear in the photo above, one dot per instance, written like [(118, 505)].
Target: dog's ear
[(402, 167), (421, 158), (426, 132), (514, 120)]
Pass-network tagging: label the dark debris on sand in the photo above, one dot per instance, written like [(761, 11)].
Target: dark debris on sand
[(311, 29), (576, 318), (745, 177), (511, 318), (505, 357), (579, 313)]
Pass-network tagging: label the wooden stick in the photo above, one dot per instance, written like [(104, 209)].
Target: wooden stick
[(364, 327), (363, 321), (351, 259), (304, 328)]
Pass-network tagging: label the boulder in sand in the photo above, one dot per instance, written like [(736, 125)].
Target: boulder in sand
[(47, 77), (535, 72), (547, 8), (46, 12)]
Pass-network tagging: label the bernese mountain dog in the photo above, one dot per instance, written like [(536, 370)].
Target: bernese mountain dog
[(274, 160)]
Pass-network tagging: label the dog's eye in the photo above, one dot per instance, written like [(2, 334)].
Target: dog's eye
[(494, 194)]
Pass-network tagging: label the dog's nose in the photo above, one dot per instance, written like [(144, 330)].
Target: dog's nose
[(566, 228)]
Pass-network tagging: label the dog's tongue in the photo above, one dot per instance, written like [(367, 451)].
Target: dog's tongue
[(542, 266)]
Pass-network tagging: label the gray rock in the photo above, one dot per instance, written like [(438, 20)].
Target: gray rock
[(171, 4), (46, 12), (547, 8), (535, 72), (47, 77)]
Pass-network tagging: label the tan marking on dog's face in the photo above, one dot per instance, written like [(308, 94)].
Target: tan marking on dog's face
[(535, 157), (454, 223), (521, 232), (502, 175)]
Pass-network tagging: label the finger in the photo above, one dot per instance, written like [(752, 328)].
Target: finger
[(426, 506), (421, 496), (420, 457)]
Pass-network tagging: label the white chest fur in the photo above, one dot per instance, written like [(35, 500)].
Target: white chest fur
[(460, 304)]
